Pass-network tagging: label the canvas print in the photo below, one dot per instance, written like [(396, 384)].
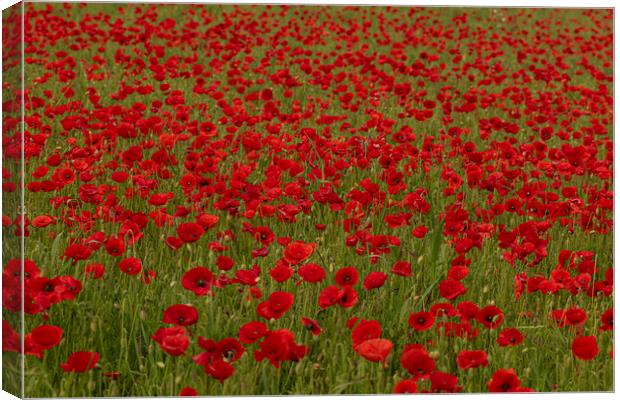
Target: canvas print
[(213, 200)]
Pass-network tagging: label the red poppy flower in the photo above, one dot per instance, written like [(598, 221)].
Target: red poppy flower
[(219, 369), (278, 346), (467, 359), (419, 232), (585, 347), (188, 391), (504, 381), (252, 331), (329, 296), (296, 252), (375, 280), (172, 340), (375, 350), (365, 330), (467, 310), (406, 386), (180, 314), (46, 336), (41, 221), (198, 280), (311, 273), (207, 221), (115, 246), (225, 263), (281, 272), (347, 276), (80, 361), (190, 232), (94, 270), (130, 266), (40, 339), (509, 337), (402, 268), (348, 297), (78, 252), (442, 382), (607, 320), (417, 362), (450, 289), (421, 321), (490, 316), (311, 325), (275, 307)]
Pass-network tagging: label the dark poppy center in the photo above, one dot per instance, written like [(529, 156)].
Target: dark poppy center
[(421, 320), (181, 320), (229, 355), (505, 386), (201, 283)]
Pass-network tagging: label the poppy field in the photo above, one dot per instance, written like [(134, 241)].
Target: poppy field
[(249, 200)]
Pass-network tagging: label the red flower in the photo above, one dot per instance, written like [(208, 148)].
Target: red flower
[(225, 263), (80, 361), (442, 382), (190, 232), (198, 280), (348, 297), (417, 362), (131, 266), (490, 316), (41, 221), (421, 321), (42, 338), (585, 347), (252, 331), (374, 350), (207, 221), (188, 391), (172, 340), (419, 231), (365, 330), (509, 337), (375, 280), (115, 246), (281, 272), (504, 381), (278, 346), (329, 296), (275, 307), (94, 270), (402, 268), (347, 276), (180, 314), (78, 252), (311, 273), (607, 320), (311, 325), (467, 310), (472, 359), (296, 252), (405, 387), (451, 289)]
